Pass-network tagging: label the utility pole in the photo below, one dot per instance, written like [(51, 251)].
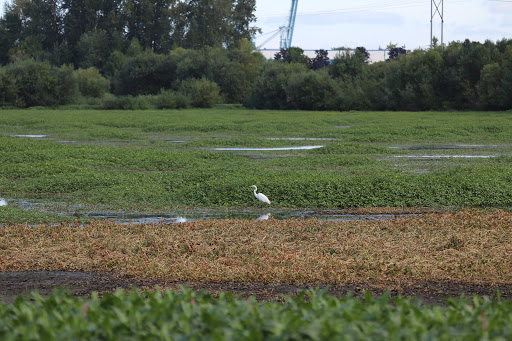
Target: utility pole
[(436, 8)]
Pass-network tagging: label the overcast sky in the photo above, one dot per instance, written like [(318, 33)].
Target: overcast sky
[(324, 24)]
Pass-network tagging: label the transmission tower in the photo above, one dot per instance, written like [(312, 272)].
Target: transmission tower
[(287, 31), (436, 8)]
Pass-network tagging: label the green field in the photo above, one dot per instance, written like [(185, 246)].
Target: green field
[(125, 160)]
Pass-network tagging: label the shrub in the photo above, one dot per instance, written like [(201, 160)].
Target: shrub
[(8, 90), (270, 89), (114, 63), (33, 83), (111, 102), (202, 92), (312, 90), (66, 88), (91, 83), (352, 95), (168, 99), (140, 75)]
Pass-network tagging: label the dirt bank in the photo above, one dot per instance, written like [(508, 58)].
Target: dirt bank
[(16, 283)]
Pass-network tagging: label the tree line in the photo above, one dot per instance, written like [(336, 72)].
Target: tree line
[(460, 76), (173, 54), (85, 32)]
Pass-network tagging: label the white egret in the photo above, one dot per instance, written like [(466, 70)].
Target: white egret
[(260, 196)]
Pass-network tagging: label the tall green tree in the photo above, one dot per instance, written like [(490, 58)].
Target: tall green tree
[(506, 83), (217, 23), (80, 17), (83, 16), (11, 31), (38, 21), (150, 22)]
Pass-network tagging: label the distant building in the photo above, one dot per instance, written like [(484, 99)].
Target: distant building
[(375, 55)]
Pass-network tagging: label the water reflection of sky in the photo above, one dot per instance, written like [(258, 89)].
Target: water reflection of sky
[(31, 135), (268, 149), (133, 218), (3, 202)]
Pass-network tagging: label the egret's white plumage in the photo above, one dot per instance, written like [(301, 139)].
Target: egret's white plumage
[(260, 196)]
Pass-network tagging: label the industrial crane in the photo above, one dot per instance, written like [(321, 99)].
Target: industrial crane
[(286, 31)]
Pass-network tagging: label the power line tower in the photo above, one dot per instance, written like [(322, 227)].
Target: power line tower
[(436, 8), (287, 31)]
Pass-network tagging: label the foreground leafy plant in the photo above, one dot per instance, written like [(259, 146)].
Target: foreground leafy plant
[(311, 315)]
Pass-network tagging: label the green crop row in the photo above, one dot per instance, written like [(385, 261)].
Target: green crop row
[(311, 315)]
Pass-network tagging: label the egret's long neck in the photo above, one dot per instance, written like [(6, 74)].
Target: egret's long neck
[(255, 189)]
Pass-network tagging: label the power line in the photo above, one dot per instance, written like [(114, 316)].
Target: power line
[(363, 8)]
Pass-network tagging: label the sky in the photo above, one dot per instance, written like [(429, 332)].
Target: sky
[(325, 24)]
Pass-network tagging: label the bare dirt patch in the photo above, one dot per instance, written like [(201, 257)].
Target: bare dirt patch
[(15, 283)]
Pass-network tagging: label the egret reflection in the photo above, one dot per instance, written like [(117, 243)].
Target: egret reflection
[(181, 219), (264, 217)]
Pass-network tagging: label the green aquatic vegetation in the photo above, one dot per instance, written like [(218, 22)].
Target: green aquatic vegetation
[(14, 215), (311, 315), (249, 142), (359, 127), (352, 149), (321, 162), (356, 169), (347, 175)]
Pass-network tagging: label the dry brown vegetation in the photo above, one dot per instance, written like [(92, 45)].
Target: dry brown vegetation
[(467, 246)]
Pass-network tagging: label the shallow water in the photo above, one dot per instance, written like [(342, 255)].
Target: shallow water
[(301, 138), (183, 217), (444, 146), (445, 156), (31, 135), (268, 149)]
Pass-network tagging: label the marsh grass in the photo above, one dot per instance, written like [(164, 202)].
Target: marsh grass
[(471, 246), (15, 215)]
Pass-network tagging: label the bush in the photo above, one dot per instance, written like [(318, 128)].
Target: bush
[(202, 92), (312, 90), (66, 88), (91, 83), (270, 89), (32, 83), (145, 74), (352, 95), (111, 102), (8, 90), (172, 100)]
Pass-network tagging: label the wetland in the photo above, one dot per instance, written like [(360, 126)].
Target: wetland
[(65, 172)]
